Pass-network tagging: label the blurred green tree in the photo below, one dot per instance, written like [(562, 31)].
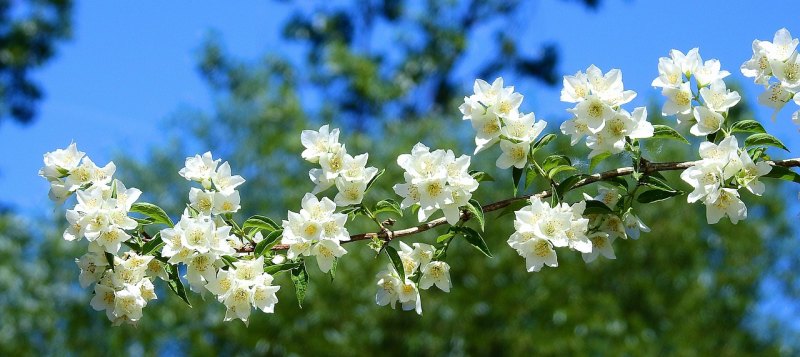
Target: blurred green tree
[(29, 33), (685, 289)]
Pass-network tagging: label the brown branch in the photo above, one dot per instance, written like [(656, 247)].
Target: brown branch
[(645, 166)]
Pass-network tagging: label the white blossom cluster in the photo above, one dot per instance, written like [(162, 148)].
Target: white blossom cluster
[(716, 179), (317, 230), (69, 170), (435, 180), (494, 113), (124, 291), (219, 194), (598, 115), (348, 173), (421, 272), (714, 98), (243, 285), (202, 240), (776, 66), (539, 228)]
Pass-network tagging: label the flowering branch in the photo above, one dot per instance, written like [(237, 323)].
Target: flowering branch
[(647, 167)]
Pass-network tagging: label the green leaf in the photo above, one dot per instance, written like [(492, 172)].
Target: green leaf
[(475, 210), (543, 141), (481, 176), (332, 272), (371, 182), (258, 223), (516, 174), (476, 240), (747, 126), (273, 269), (153, 245), (396, 261), (554, 161), (665, 132), (596, 207), (656, 183), (175, 283), (656, 195), (300, 281), (783, 173), (110, 260), (156, 213), (267, 243), (568, 183), (388, 205), (559, 169), (444, 237), (617, 181), (530, 175), (764, 140), (595, 160)]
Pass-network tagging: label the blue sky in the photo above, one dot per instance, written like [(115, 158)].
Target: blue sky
[(131, 65)]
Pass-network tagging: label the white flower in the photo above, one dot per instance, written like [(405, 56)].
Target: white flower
[(487, 130), (709, 73), (708, 121), (350, 192), (537, 252), (238, 302), (718, 97), (576, 88), (705, 178), (781, 47), (333, 162), (128, 304), (92, 266), (436, 273), (200, 168), (201, 200), (679, 100), (389, 285), (408, 296), (594, 112), (264, 293), (750, 173), (725, 202), (608, 87), (788, 71), (523, 127), (87, 172), (223, 180), (59, 162), (669, 74), (633, 225), (327, 251), (775, 97), (601, 245), (724, 155), (758, 66), (514, 154), (318, 143), (687, 62), (226, 202), (422, 253)]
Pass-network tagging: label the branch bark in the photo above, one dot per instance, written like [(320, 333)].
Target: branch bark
[(646, 167)]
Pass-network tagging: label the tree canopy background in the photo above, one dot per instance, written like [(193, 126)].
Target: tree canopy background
[(685, 289)]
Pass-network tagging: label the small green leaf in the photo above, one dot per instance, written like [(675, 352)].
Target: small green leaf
[(747, 126), (530, 175), (152, 211), (332, 272), (110, 260), (764, 140), (516, 174), (656, 183), (153, 245), (388, 205), (175, 283), (596, 207), (568, 183), (665, 132), (268, 242), (543, 141), (595, 160), (481, 176), (554, 161), (476, 240), (300, 281), (475, 210), (371, 182), (618, 181), (783, 173), (656, 195), (257, 223), (444, 237), (396, 261), (559, 169), (274, 269)]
